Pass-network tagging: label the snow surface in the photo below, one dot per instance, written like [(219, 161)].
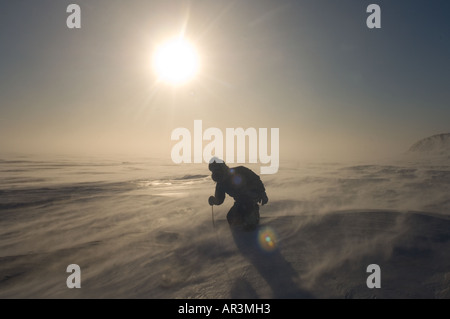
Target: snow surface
[(143, 229)]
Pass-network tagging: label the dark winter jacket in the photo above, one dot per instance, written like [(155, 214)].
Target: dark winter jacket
[(242, 184)]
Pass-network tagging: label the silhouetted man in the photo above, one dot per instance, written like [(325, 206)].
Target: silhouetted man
[(244, 186)]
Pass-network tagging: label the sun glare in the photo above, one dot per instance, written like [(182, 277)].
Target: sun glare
[(176, 61)]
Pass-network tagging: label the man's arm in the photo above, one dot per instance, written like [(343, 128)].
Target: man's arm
[(262, 192), (218, 197)]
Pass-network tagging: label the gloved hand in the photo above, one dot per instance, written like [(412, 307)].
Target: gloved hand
[(211, 200), (263, 200)]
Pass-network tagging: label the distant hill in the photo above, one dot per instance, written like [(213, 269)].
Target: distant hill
[(434, 145)]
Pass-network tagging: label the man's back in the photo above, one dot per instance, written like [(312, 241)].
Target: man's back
[(241, 183)]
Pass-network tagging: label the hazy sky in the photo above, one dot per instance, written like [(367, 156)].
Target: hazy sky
[(310, 68)]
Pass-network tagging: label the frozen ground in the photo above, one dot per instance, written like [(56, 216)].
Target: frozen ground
[(143, 229)]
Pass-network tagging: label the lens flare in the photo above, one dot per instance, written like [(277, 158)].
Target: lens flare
[(267, 239), (237, 180)]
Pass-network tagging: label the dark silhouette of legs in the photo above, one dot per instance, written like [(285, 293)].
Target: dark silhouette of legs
[(245, 213)]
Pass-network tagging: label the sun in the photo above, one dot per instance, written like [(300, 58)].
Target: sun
[(176, 61)]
